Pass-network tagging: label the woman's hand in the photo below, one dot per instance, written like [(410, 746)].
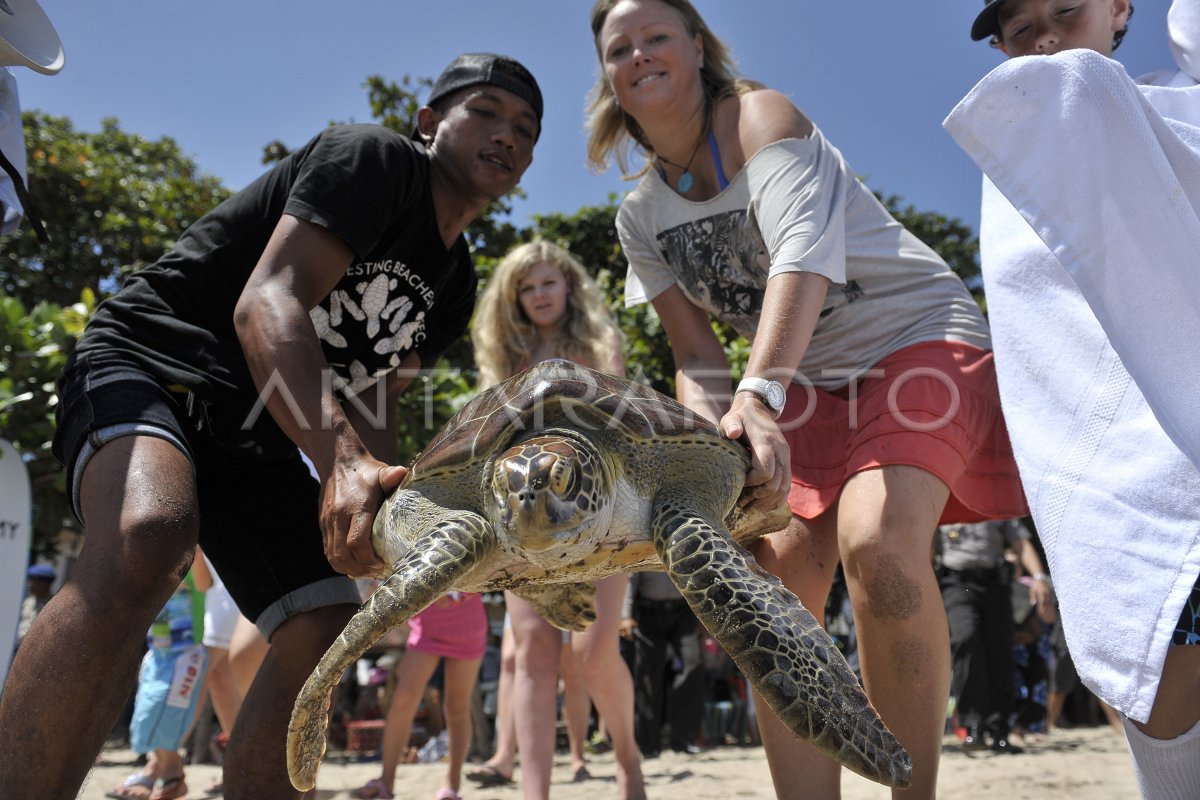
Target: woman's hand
[(770, 474), (350, 499)]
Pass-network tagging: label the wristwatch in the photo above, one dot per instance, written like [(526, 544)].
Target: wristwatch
[(772, 392)]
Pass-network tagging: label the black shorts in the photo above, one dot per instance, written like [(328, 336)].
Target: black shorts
[(1187, 631), (258, 503)]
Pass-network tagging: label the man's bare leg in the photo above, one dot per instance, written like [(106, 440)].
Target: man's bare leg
[(256, 763), (75, 670)]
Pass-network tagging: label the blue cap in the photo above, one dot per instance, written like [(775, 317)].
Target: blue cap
[(44, 571)]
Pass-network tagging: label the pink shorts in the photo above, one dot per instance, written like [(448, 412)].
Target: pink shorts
[(454, 626), (932, 405)]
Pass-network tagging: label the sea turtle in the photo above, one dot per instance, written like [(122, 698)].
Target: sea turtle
[(562, 475)]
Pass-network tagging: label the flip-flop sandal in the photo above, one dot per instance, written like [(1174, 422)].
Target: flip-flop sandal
[(581, 775), (169, 789), (136, 779), (488, 776), (373, 790), (446, 793)]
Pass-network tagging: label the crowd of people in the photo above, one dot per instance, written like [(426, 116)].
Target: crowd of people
[(192, 408), (688, 695)]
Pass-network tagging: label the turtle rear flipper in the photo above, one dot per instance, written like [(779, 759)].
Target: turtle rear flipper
[(776, 643), (438, 558), (566, 606)]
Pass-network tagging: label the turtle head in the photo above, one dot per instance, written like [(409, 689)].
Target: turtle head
[(551, 492)]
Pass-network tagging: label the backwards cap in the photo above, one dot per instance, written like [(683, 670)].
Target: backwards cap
[(472, 69), (987, 24)]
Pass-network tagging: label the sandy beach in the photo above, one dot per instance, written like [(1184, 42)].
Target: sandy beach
[(1080, 764)]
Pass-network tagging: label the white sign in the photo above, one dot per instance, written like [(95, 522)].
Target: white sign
[(16, 519)]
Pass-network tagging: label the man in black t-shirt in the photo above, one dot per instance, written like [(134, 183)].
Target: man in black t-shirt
[(285, 321)]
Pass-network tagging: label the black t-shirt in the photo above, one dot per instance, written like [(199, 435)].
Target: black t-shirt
[(404, 292)]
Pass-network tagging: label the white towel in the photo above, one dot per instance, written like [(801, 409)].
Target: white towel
[(1117, 505), (1183, 28), (1101, 260), (1112, 186)]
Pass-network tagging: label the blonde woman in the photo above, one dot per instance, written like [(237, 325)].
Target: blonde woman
[(541, 304), (869, 399)]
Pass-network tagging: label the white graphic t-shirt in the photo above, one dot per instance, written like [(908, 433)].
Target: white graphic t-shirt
[(796, 206)]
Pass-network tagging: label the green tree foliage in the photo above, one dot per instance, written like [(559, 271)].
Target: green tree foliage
[(33, 349), (949, 237), (111, 201)]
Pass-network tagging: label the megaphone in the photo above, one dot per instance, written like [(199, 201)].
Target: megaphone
[(27, 39)]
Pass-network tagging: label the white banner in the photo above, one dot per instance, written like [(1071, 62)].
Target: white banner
[(16, 519)]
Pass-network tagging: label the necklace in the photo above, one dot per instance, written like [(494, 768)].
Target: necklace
[(686, 180)]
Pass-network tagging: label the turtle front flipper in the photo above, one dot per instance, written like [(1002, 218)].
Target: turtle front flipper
[(437, 559), (566, 606), (776, 643)]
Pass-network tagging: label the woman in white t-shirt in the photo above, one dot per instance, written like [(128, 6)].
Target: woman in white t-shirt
[(869, 399)]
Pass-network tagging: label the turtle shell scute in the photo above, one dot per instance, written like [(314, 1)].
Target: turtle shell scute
[(558, 394)]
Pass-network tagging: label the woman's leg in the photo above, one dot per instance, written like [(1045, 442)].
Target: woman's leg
[(458, 681), (412, 675), (501, 763), (577, 706), (538, 646), (886, 520), (222, 688), (803, 556), (609, 683), (247, 650)]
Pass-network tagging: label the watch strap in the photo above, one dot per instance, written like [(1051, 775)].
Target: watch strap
[(765, 389)]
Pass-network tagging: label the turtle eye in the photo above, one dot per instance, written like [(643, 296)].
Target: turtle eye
[(563, 476), (505, 479)]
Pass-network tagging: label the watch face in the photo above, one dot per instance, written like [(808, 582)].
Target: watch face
[(775, 395)]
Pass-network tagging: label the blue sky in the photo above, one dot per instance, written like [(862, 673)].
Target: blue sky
[(223, 78)]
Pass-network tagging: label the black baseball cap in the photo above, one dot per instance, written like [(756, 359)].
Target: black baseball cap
[(472, 69), (987, 24)]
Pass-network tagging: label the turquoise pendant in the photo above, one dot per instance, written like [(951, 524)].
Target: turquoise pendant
[(685, 182)]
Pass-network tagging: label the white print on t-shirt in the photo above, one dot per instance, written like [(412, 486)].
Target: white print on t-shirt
[(397, 268), (721, 262), (386, 317)]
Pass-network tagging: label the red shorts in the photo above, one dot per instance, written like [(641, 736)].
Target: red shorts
[(932, 405), (453, 626)]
